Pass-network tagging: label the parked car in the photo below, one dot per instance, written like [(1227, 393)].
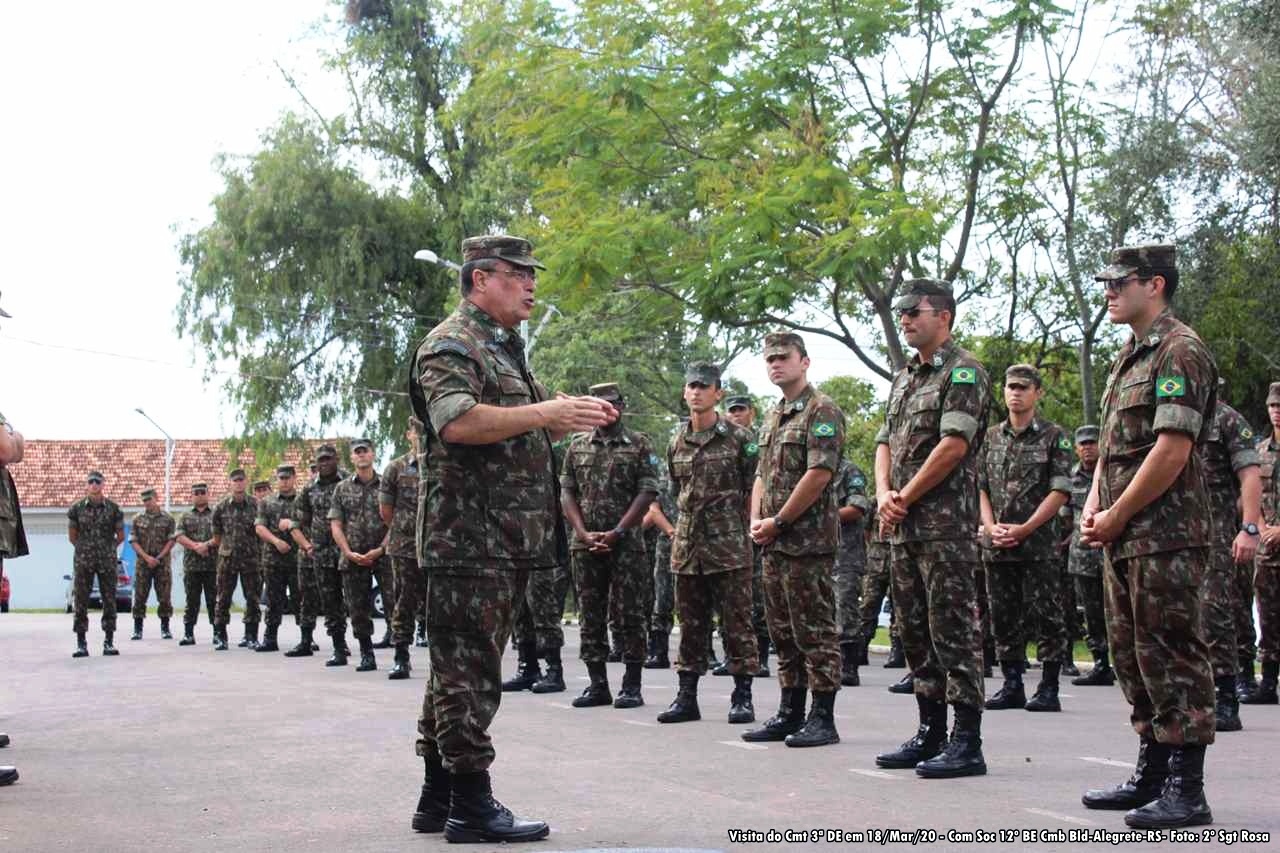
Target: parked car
[(124, 590), (4, 594)]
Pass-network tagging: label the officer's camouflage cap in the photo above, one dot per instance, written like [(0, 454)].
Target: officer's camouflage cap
[(326, 450), (1027, 372), (606, 391), (236, 474), (199, 487), (738, 400), (285, 471), (1273, 393), (1086, 434), (147, 494), (261, 484), (917, 288), (1127, 260), (95, 477), (502, 247), (778, 343), (362, 443), (702, 371)]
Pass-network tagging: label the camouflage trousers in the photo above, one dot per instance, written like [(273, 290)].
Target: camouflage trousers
[(411, 592), (663, 593), (330, 597), (196, 585), (1266, 580), (1246, 633), (596, 577), (1026, 603), (848, 590), (1089, 594), (85, 570), (697, 598), (1157, 644), (759, 621), (162, 577), (646, 588), (281, 582), (540, 610), (935, 598), (799, 604), (1070, 607), (985, 623), (357, 590), (1218, 610), (229, 573), (469, 620), (875, 586)]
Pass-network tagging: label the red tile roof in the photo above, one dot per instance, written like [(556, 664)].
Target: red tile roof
[(52, 473)]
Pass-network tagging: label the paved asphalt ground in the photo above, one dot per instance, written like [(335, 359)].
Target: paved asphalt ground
[(185, 749)]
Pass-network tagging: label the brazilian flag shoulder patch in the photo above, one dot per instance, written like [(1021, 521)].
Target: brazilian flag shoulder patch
[(1064, 443), (1245, 432), (963, 376), (1171, 386), (752, 449), (823, 429)]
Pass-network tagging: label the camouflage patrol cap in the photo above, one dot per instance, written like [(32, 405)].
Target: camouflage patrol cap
[(1273, 393), (236, 474), (1087, 433), (95, 477), (739, 401), (362, 443), (606, 391), (4, 313), (502, 247), (1127, 260), (199, 488), (261, 484), (147, 494), (1023, 371), (704, 372), (917, 288), (286, 471), (778, 343), (326, 450)]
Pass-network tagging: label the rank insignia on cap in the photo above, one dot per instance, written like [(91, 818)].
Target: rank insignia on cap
[(963, 376), (1064, 443), (752, 449), (1170, 386), (824, 430)]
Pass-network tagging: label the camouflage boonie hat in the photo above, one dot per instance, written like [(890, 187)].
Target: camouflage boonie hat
[(1273, 393), (236, 474), (326, 450), (1023, 371), (704, 372), (1087, 433), (778, 343), (197, 488), (261, 484), (4, 313), (606, 391), (917, 288), (285, 471), (147, 494), (502, 247), (1127, 260), (738, 401), (362, 443), (95, 477)]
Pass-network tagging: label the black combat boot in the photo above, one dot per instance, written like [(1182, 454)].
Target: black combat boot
[(927, 742), (1226, 710), (250, 640), (1266, 692), (82, 646), (629, 696), (762, 644), (684, 708), (527, 671), (400, 671), (553, 680), (219, 638), (862, 652), (1245, 683), (165, 633), (303, 649), (897, 660), (109, 645), (433, 802), (137, 630), (188, 635), (385, 642), (820, 728), (1011, 694), (597, 692), (270, 640), (904, 685), (8, 775), (615, 651), (340, 651), (1046, 696), (1182, 801), (962, 756), (788, 720), (849, 664), (367, 661), (988, 658), (475, 816), (658, 652), (422, 634), (1102, 675), (1069, 668), (740, 708), (1143, 786)]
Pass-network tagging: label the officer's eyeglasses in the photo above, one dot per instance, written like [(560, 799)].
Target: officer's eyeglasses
[(525, 275), (913, 313), (1116, 285)]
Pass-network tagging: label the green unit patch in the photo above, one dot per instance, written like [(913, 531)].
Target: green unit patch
[(824, 430), (963, 376), (1064, 443), (752, 449), (1171, 386)]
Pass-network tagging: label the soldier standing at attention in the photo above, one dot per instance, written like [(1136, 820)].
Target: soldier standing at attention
[(794, 521), (199, 556), (851, 562), (712, 467), (740, 409), (610, 478), (398, 506), (490, 517), (1267, 574), (927, 496), (152, 536), (1150, 511), (96, 529), (279, 552), (238, 556), (663, 514), (319, 583), (1085, 564), (361, 537), (1023, 480), (261, 491)]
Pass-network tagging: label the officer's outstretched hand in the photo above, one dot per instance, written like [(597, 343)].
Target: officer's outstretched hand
[(567, 414)]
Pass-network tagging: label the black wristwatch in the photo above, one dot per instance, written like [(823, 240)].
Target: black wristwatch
[(779, 523), (1250, 528)]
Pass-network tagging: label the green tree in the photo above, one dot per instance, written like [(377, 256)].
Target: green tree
[(863, 417)]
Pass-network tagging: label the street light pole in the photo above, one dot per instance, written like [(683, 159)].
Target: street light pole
[(168, 456)]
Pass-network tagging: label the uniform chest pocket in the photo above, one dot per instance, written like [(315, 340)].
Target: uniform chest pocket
[(925, 410), (512, 388), (794, 449), (1136, 390)]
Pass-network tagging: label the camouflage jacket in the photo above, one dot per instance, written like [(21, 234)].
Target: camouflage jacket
[(233, 524), (355, 504), (312, 507), (13, 538), (95, 525), (491, 507), (1018, 470), (950, 395), (1228, 449), (400, 492), (804, 433), (1081, 559), (197, 525), (270, 511), (1268, 455), (604, 471), (712, 473), (1166, 381), (151, 530), (851, 490)]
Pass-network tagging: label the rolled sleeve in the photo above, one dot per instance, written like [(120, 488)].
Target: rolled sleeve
[(1060, 484), (882, 435), (958, 423), (452, 383), (1244, 459), (1171, 417), (862, 502), (388, 485), (568, 476), (336, 511), (648, 475)]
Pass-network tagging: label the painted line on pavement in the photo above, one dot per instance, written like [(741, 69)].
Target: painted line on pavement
[(637, 723), (1107, 761), (1063, 817), (739, 744), (877, 774)]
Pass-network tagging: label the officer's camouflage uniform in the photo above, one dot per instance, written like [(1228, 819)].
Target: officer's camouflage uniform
[(490, 517), (319, 584), (237, 559), (875, 583), (399, 491), (1266, 578), (95, 557), (199, 574), (355, 505), (934, 550), (13, 536), (152, 531), (663, 590), (1085, 565), (1017, 471), (1155, 568), (851, 556), (605, 470), (1228, 449), (712, 473), (540, 612), (804, 433), (280, 570)]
